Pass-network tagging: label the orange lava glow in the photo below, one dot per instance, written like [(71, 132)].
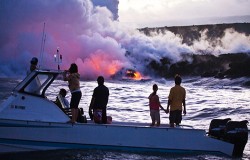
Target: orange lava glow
[(113, 68), (137, 76), (102, 64)]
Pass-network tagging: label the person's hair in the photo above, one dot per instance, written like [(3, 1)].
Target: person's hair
[(73, 68), (155, 87), (177, 80), (100, 80), (34, 61), (63, 92)]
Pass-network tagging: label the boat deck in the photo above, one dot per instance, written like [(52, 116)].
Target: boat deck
[(138, 124)]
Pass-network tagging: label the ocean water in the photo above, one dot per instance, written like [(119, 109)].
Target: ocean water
[(207, 99)]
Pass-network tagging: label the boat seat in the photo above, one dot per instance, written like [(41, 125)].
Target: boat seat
[(81, 117)]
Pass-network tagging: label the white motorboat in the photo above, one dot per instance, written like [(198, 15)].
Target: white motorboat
[(31, 122)]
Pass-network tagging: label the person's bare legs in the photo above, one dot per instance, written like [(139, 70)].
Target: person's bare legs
[(153, 120), (73, 115), (158, 119), (158, 124), (74, 112), (171, 124), (152, 124)]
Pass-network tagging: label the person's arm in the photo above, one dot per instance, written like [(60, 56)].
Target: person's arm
[(91, 108), (163, 109), (149, 97), (169, 102), (65, 78), (158, 99), (184, 107), (184, 103), (92, 102)]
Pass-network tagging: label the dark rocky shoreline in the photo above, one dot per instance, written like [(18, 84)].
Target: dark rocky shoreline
[(230, 65), (222, 66)]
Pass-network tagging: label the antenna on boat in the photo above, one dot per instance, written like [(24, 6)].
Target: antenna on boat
[(42, 46), (58, 58)]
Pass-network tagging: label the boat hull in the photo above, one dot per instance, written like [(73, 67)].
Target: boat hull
[(29, 136)]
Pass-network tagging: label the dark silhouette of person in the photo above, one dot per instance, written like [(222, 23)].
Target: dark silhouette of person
[(176, 99), (99, 102)]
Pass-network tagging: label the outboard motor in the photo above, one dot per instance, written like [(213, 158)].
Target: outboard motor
[(217, 128), (236, 132)]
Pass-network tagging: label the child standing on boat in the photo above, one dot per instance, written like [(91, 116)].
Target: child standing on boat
[(154, 106)]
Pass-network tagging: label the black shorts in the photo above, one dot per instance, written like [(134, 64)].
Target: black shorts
[(75, 99), (175, 116)]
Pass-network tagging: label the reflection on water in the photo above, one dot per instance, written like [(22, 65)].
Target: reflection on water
[(109, 155), (207, 99)]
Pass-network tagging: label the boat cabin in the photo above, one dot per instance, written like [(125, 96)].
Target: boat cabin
[(28, 99)]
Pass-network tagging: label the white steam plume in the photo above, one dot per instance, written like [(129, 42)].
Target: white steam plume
[(90, 36)]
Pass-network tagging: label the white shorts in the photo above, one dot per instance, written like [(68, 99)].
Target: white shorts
[(155, 115)]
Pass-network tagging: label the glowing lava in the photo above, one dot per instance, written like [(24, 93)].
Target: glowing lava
[(133, 74)]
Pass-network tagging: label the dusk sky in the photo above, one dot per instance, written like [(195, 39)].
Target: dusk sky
[(157, 13), (97, 35)]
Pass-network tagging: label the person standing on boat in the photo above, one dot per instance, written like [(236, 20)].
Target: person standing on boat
[(176, 99), (99, 102), (154, 106), (33, 87), (33, 65), (73, 78)]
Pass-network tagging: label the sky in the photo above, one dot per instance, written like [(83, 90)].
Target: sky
[(157, 13), (101, 37)]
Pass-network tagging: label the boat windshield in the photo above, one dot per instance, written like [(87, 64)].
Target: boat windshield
[(36, 83)]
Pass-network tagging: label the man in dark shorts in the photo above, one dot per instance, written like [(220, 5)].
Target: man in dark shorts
[(99, 101), (176, 99)]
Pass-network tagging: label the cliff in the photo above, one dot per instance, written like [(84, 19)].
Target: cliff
[(191, 33), (207, 65)]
